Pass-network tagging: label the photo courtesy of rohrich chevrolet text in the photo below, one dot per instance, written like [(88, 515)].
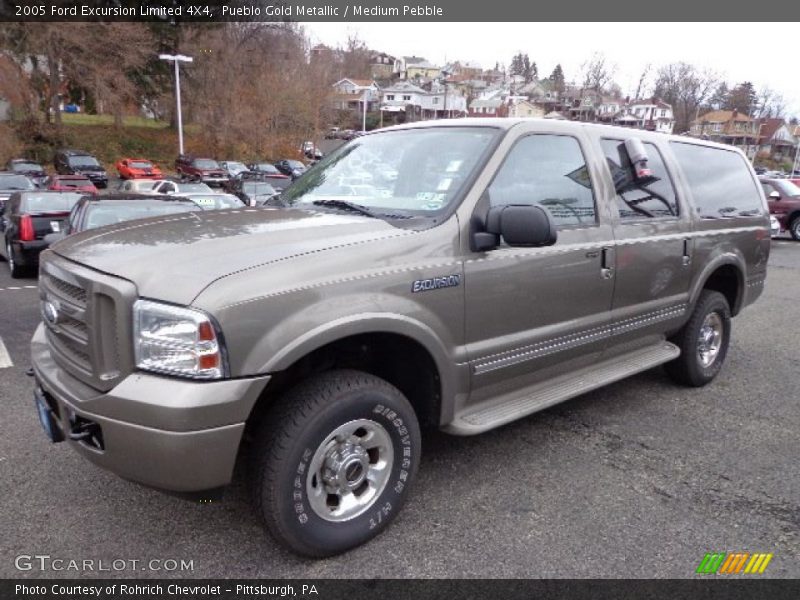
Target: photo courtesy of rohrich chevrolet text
[(397, 300)]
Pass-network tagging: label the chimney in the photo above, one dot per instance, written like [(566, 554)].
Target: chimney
[(734, 114)]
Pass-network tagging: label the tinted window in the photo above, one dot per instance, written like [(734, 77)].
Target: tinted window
[(115, 211), (140, 164), (637, 200), (720, 181), (83, 161), (23, 167), (16, 182), (206, 163), (550, 170), (46, 202)]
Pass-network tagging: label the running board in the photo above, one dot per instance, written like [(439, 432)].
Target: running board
[(494, 413)]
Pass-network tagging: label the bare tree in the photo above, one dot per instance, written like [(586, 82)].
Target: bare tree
[(687, 89), (597, 73), (640, 87)]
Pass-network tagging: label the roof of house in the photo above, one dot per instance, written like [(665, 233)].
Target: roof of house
[(357, 82), (651, 102), (723, 116), (769, 127), (404, 86)]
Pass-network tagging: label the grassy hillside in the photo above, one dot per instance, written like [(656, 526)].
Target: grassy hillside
[(138, 138)]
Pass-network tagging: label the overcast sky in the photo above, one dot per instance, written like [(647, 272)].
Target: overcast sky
[(764, 53)]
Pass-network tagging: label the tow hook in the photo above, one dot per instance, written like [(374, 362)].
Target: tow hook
[(85, 431)]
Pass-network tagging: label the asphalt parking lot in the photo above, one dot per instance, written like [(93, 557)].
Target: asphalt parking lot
[(639, 479)]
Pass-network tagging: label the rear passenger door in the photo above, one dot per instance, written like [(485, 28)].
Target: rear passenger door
[(653, 232), (534, 313)]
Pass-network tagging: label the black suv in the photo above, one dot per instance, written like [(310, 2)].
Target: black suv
[(77, 162)]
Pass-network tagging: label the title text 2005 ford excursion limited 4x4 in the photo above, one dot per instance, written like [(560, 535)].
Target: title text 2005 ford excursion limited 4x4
[(460, 274)]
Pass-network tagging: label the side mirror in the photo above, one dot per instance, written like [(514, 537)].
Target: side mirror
[(775, 195), (527, 225)]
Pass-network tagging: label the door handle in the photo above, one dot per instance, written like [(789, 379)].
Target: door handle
[(687, 259), (607, 264)]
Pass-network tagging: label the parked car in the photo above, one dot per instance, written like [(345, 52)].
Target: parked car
[(137, 186), (233, 168), (215, 201), (206, 170), (331, 133), (25, 221), (292, 168), (774, 226), (267, 172), (138, 168), (168, 186), (310, 150), (30, 169), (783, 198), (78, 162), (513, 264), (253, 192), (11, 182), (99, 211), (70, 183)]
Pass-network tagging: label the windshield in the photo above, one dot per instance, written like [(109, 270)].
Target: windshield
[(235, 166), (266, 168), (33, 203), (419, 171), (206, 163), (188, 188), (16, 182), (83, 161), (787, 188), (295, 164), (25, 167), (100, 214), (258, 189), (216, 201), (140, 164)]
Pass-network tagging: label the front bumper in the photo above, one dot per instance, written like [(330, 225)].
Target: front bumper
[(168, 433)]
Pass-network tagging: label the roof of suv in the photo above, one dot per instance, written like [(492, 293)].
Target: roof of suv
[(123, 196), (71, 152)]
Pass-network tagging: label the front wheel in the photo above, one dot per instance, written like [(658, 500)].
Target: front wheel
[(703, 341), (333, 462)]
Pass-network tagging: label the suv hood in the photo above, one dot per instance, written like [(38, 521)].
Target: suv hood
[(174, 258)]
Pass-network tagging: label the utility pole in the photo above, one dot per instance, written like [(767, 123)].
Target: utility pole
[(177, 58)]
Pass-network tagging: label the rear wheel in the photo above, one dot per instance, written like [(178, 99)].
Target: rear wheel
[(703, 341), (794, 228), (13, 266), (333, 462)]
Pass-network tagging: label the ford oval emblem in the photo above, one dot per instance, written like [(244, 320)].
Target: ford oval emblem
[(50, 312)]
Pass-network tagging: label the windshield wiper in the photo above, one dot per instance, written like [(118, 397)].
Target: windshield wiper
[(345, 205)]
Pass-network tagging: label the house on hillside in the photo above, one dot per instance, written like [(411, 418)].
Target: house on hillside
[(381, 66), (526, 109), (653, 115), (488, 107), (776, 141), (415, 67), (727, 127), (350, 94)]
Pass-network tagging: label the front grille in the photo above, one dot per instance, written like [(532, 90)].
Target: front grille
[(92, 316), (73, 292)]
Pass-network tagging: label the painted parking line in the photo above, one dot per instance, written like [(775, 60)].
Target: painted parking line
[(5, 359), (19, 287)]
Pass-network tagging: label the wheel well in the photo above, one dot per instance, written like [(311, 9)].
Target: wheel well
[(727, 281), (400, 360), (792, 216)]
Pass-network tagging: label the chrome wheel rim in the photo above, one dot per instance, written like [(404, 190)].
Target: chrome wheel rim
[(796, 227), (710, 339), (349, 470)]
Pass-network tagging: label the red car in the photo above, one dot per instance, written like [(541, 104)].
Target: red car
[(70, 183), (138, 168)]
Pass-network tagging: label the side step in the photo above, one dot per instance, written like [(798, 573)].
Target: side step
[(494, 413)]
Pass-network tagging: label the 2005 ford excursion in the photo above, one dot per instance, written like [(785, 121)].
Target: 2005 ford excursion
[(457, 274)]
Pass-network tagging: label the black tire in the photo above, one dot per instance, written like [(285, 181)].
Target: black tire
[(14, 267), (287, 447), (688, 368), (794, 228)]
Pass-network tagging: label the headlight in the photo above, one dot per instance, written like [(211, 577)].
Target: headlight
[(177, 341)]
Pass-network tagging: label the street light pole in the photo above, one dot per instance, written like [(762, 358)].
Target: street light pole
[(177, 58)]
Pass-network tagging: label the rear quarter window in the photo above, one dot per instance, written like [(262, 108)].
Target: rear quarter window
[(720, 181)]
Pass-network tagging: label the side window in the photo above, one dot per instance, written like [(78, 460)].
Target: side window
[(549, 170), (720, 180), (637, 200)]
